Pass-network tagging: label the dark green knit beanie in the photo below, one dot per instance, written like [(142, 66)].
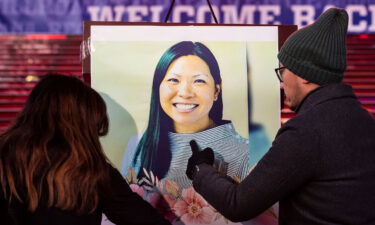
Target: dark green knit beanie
[(317, 53)]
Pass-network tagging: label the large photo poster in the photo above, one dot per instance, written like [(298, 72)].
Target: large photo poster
[(167, 85)]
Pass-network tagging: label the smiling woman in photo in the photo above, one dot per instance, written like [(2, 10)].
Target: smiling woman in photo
[(186, 103)]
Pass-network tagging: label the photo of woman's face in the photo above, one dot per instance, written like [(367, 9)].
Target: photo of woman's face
[(188, 91)]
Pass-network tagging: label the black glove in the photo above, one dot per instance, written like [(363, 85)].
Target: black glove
[(198, 157)]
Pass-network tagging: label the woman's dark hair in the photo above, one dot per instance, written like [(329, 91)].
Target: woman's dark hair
[(153, 148), (51, 155)]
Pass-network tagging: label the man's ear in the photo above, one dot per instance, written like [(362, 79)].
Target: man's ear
[(310, 85), (303, 81), (217, 91)]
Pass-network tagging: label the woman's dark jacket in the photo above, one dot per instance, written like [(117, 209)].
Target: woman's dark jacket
[(118, 203), (321, 167)]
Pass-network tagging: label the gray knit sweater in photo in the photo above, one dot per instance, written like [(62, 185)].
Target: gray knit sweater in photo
[(230, 149), (231, 153)]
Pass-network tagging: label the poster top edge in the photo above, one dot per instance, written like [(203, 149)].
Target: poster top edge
[(179, 33)]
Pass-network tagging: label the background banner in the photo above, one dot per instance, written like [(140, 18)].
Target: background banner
[(66, 16)]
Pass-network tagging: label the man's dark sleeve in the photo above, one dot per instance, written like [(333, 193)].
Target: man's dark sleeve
[(122, 206), (290, 162)]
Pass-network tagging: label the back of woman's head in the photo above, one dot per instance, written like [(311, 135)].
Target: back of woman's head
[(51, 155)]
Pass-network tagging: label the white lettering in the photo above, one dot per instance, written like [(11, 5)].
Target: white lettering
[(182, 9), (119, 12), (372, 10), (136, 13), (203, 10), (268, 13), (303, 14), (231, 15), (361, 10), (94, 12), (106, 14), (155, 12)]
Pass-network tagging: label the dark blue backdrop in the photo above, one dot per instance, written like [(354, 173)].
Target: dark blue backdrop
[(66, 16)]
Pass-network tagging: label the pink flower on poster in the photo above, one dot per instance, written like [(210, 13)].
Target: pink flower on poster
[(153, 199), (172, 188), (137, 189), (193, 209), (169, 200), (162, 205), (186, 206)]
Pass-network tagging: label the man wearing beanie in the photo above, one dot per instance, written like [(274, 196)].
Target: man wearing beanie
[(321, 166)]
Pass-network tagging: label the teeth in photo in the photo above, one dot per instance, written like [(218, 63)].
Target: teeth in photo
[(185, 106)]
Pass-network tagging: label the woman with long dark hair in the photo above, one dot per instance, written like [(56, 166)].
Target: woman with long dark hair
[(186, 103), (52, 167)]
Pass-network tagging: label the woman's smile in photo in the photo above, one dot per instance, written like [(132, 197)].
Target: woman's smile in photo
[(188, 92), (185, 107)]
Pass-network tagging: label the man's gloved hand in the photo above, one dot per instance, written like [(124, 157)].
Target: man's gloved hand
[(198, 157)]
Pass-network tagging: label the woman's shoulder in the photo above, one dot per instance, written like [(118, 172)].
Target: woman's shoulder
[(223, 139), (232, 134)]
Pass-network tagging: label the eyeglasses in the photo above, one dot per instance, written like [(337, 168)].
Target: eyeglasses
[(279, 73)]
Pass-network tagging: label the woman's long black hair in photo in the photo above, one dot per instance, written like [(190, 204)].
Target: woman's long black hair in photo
[(153, 148)]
